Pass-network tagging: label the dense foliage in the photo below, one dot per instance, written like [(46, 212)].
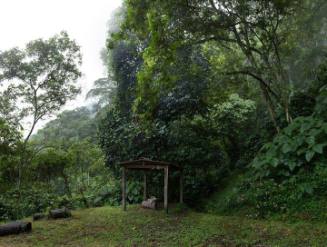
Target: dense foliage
[(288, 176), (219, 87), (202, 62)]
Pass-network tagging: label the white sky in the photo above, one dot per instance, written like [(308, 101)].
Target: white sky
[(84, 20)]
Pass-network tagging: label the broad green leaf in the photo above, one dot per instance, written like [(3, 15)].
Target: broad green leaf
[(274, 162), (318, 148), (286, 148), (309, 155), (310, 140), (292, 165), (301, 151)]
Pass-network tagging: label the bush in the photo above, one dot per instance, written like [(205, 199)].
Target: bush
[(289, 172), (16, 204), (303, 195), (299, 146), (288, 177)]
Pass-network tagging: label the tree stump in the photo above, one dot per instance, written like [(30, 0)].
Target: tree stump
[(59, 213), (38, 216), (15, 227), (150, 203)]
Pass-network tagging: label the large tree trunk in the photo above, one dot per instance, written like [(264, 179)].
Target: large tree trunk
[(270, 106), (66, 182), (15, 228)]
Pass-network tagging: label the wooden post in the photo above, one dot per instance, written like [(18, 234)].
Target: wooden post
[(166, 189), (181, 187), (144, 187), (124, 189)]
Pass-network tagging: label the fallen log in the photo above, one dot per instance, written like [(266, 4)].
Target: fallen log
[(15, 227), (59, 213), (38, 216)]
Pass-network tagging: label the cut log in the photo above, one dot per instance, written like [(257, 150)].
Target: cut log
[(38, 216), (150, 203), (15, 227), (59, 213)]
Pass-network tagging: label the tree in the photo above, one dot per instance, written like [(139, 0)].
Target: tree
[(232, 119), (124, 61), (187, 94), (69, 127), (51, 164), (40, 78), (38, 81), (9, 138), (9, 148), (103, 91), (259, 30), (85, 159)]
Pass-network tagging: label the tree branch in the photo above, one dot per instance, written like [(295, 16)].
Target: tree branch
[(258, 78)]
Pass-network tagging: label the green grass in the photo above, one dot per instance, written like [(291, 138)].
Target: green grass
[(110, 226)]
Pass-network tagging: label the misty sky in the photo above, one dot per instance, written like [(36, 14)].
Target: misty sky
[(84, 20)]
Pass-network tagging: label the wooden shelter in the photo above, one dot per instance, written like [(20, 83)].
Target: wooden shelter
[(145, 165)]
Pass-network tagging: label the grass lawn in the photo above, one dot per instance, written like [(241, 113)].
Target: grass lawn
[(110, 226)]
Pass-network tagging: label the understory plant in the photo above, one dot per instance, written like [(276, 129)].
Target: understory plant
[(301, 145)]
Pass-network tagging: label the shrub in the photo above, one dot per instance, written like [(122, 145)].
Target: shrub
[(304, 194), (16, 204), (299, 146)]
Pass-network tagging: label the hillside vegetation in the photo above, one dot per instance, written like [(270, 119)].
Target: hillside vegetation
[(232, 91)]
